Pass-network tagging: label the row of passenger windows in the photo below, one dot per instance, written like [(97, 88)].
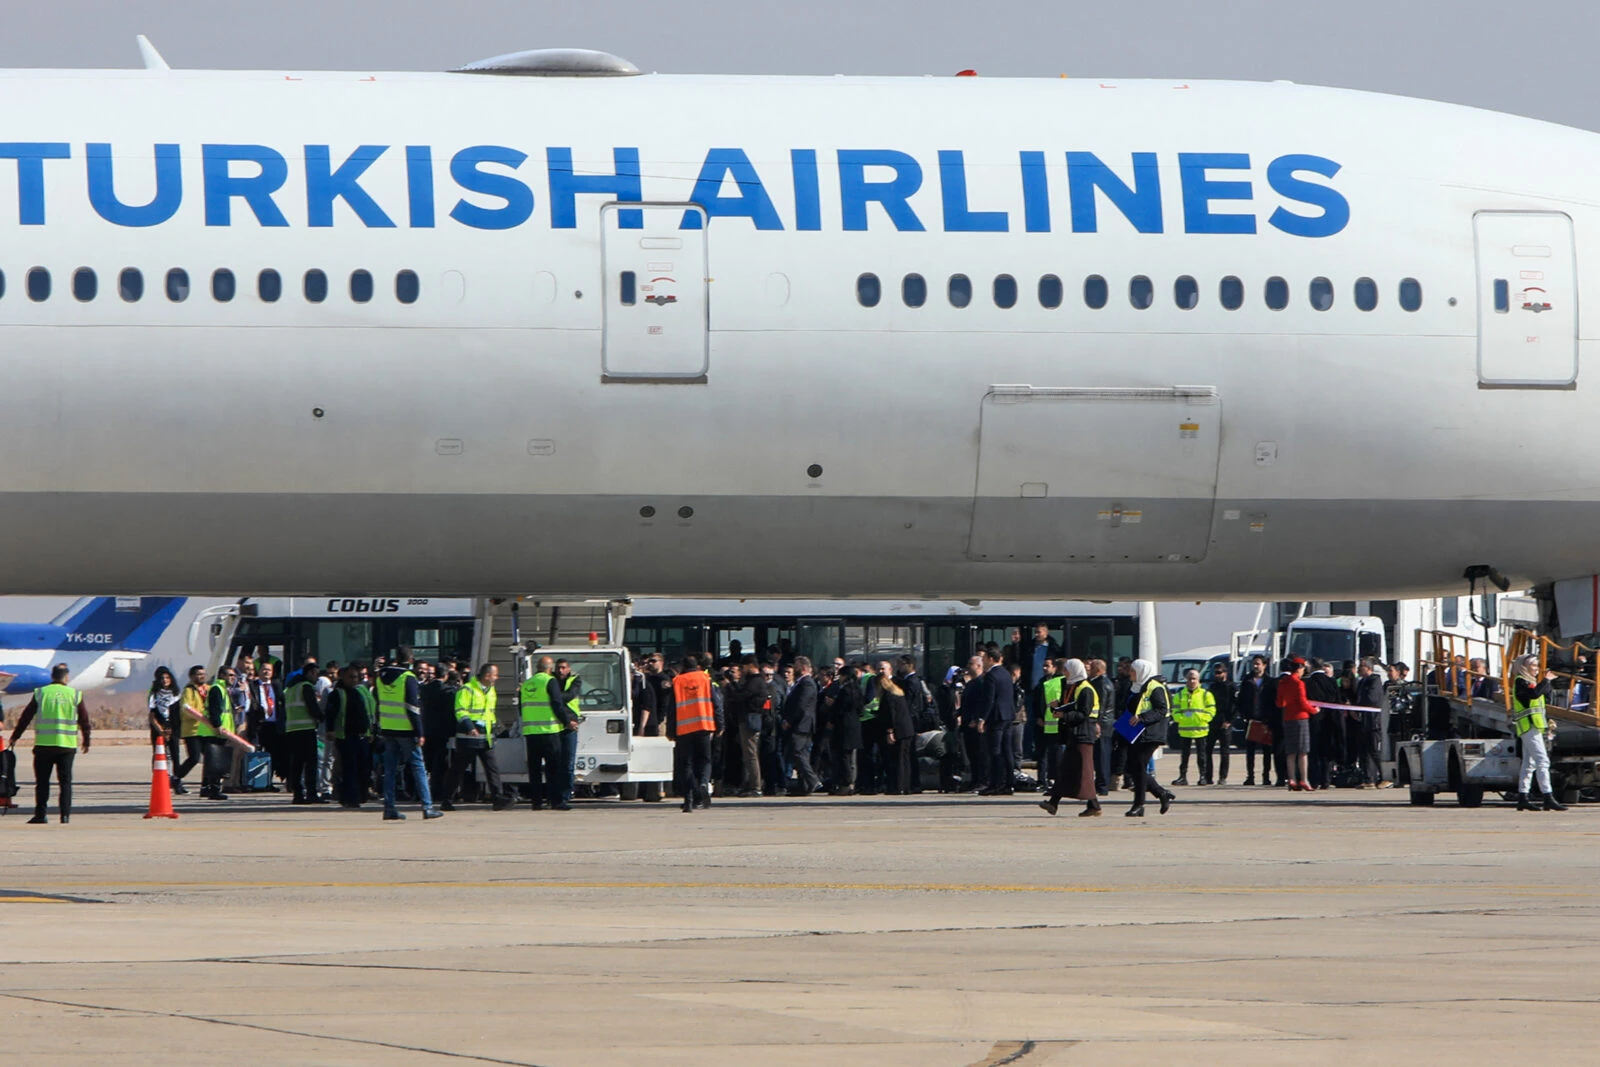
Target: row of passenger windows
[(224, 285), (1141, 292)]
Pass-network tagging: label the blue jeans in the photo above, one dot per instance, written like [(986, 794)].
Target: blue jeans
[(569, 749), (396, 749)]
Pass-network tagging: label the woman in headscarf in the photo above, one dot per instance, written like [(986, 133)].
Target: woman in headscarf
[(1077, 714), (164, 693), (1529, 693), (1151, 706)]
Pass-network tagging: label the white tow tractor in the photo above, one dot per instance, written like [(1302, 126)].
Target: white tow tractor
[(609, 754)]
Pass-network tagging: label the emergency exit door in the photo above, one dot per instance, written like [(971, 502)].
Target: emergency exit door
[(655, 326), (1527, 299)]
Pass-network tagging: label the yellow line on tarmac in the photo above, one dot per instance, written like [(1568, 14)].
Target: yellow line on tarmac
[(890, 887)]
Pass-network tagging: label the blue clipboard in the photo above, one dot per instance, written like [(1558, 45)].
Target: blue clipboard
[(1130, 728)]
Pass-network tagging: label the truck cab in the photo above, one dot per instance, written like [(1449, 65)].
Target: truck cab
[(1337, 639)]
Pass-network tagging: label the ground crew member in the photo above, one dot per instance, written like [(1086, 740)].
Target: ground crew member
[(544, 720), (302, 715), (1193, 708), (350, 712), (693, 725), (474, 740), (400, 725), (572, 700), (1050, 696), (1076, 712), (62, 726), (208, 708), (1528, 697)]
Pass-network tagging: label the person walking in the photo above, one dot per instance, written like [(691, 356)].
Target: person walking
[(1076, 710), (400, 726), (60, 728), (1049, 697), (206, 705), (748, 704), (799, 725), (1297, 712), (1193, 708), (302, 714), (351, 721), (1528, 697), (1220, 739), (164, 700), (1250, 702), (694, 724), (900, 732), (1151, 706), (544, 713)]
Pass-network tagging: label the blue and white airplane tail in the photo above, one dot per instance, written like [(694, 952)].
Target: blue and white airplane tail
[(98, 638)]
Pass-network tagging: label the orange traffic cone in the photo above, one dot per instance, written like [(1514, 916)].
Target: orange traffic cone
[(160, 785)]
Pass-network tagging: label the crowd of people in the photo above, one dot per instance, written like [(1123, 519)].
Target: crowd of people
[(756, 726)]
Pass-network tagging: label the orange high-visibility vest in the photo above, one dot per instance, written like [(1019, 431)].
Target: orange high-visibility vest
[(692, 691)]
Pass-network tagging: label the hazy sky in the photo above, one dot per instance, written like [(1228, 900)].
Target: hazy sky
[(1527, 58)]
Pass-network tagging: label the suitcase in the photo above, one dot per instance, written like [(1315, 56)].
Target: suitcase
[(257, 772), (8, 773)]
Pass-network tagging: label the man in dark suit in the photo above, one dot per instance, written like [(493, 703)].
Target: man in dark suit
[(799, 724), (999, 715), (974, 704), (266, 717)]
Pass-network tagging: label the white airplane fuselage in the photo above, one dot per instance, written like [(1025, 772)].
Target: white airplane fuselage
[(537, 421)]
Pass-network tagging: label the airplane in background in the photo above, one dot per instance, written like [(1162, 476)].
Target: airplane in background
[(98, 638), (547, 324)]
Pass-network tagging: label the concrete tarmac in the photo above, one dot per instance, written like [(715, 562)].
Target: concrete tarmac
[(1249, 926)]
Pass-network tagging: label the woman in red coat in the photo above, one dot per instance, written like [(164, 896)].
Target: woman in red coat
[(1297, 712)]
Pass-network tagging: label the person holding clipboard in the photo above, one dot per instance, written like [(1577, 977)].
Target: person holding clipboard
[(1144, 725)]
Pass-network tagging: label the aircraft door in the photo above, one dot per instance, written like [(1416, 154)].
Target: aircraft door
[(1092, 475), (1527, 299), (656, 307)]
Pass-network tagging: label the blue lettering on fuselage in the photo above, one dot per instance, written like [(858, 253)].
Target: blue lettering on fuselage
[(1145, 192)]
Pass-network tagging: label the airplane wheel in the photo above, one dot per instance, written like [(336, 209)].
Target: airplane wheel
[(1421, 800)]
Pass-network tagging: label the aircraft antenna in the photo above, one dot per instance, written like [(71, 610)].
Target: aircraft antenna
[(152, 58)]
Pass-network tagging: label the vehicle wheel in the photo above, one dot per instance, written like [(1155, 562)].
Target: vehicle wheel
[(1421, 800), (1569, 795), (1469, 796), (650, 792), (628, 790)]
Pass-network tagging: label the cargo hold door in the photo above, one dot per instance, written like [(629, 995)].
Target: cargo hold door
[(1527, 299), (1096, 475), (656, 325)]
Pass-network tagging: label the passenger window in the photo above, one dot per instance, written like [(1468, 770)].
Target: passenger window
[(868, 290), (315, 286), (130, 285), (1050, 291), (1277, 294), (628, 288), (177, 285), (269, 286), (914, 290), (1410, 294), (1366, 294), (1186, 293), (2, 283), (1005, 291), (407, 288), (38, 285), (1502, 296), (960, 290), (1231, 293), (360, 286), (85, 286), (223, 285), (1095, 291), (1321, 294), (1141, 294)]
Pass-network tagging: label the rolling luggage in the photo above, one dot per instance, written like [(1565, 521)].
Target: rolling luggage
[(258, 772)]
